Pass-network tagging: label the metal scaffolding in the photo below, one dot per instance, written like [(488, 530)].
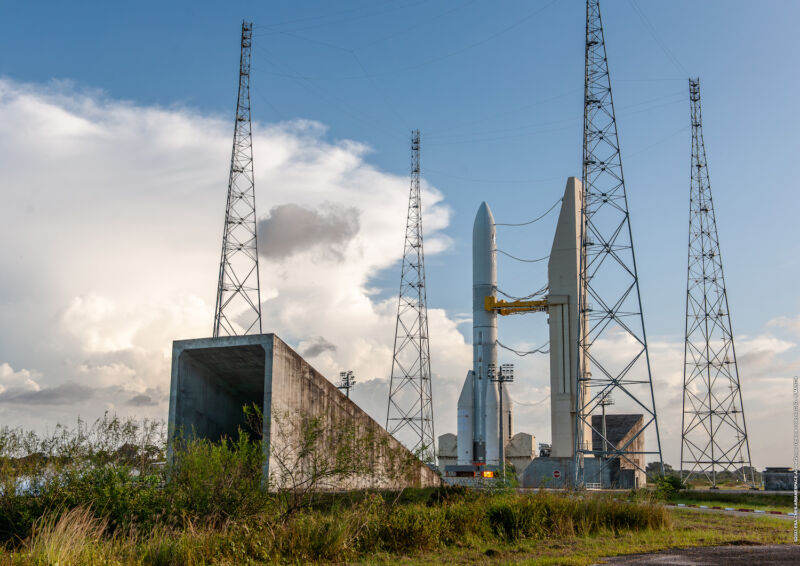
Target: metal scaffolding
[(238, 309), (713, 431), (409, 415), (610, 304)]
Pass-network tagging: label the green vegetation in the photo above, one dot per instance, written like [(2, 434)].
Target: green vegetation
[(99, 495)]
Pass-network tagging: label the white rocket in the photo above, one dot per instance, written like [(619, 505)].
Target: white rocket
[(478, 405)]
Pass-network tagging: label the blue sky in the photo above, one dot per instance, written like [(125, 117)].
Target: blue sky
[(496, 90)]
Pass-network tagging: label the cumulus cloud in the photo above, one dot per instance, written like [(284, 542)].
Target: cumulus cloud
[(117, 246), (22, 380), (290, 228)]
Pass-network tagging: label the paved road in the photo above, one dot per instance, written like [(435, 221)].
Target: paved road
[(783, 516), (777, 555)]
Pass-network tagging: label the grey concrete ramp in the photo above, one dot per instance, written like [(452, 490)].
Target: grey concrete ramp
[(214, 378)]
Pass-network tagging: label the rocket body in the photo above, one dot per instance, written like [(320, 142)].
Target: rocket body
[(484, 338)]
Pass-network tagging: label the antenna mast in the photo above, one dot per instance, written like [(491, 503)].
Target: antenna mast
[(238, 309), (712, 438), (410, 411), (609, 304)]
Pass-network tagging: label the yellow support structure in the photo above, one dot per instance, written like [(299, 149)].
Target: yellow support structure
[(504, 308)]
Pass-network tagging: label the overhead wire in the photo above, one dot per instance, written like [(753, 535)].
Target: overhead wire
[(521, 259), (549, 210), (530, 404), (670, 55), (538, 293), (539, 350)]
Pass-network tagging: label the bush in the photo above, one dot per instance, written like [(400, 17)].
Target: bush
[(215, 481), (666, 486), (411, 528)]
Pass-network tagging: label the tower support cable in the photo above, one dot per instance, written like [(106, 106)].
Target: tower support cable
[(409, 415), (238, 308), (713, 430), (609, 301)]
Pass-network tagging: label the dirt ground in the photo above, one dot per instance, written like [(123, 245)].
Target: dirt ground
[(737, 555)]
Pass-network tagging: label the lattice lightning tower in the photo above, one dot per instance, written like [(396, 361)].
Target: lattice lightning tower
[(714, 435), (612, 343), (238, 309), (410, 412)]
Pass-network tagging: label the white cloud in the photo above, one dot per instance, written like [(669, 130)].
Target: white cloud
[(116, 242), (790, 323), (22, 380)]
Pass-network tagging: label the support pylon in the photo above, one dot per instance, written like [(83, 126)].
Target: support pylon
[(713, 431), (612, 344), (238, 309), (409, 415)]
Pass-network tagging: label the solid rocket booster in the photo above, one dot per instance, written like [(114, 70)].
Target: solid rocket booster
[(484, 338), (466, 426)]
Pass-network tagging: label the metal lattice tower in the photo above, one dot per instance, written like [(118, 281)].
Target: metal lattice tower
[(714, 435), (410, 412), (238, 309), (610, 304)]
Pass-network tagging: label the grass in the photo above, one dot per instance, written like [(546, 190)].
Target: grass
[(361, 527), (410, 534), (689, 528), (736, 499), (105, 501)]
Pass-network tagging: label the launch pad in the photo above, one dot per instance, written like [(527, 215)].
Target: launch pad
[(478, 442)]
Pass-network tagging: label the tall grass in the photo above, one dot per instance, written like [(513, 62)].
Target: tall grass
[(115, 505), (65, 539)]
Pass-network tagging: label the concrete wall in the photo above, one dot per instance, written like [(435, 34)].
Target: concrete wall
[(623, 430), (212, 378), (448, 450)]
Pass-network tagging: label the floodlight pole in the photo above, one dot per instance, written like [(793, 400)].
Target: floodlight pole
[(506, 373), (347, 380)]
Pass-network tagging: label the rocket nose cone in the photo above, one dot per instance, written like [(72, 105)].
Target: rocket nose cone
[(484, 216)]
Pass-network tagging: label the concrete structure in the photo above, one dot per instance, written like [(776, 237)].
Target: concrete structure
[(519, 451), (447, 451), (620, 429), (560, 473), (563, 272), (778, 479), (213, 378)]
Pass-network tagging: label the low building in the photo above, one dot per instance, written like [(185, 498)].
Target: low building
[(519, 451), (778, 479), (623, 431)]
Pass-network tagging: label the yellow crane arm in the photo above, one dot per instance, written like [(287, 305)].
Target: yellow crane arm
[(504, 308)]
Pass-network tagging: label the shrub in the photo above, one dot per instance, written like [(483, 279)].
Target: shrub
[(411, 528), (666, 486), (217, 481)]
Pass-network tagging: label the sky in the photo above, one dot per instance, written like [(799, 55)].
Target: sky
[(115, 132)]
